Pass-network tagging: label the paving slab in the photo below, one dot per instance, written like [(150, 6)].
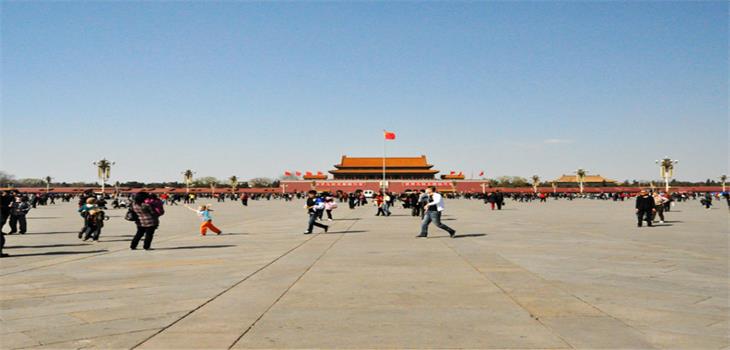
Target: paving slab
[(552, 275)]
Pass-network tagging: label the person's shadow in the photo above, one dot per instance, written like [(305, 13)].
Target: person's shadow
[(470, 235), (60, 253), (198, 247)]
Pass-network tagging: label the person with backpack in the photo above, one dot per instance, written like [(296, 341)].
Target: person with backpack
[(88, 206), (146, 220), (94, 222)]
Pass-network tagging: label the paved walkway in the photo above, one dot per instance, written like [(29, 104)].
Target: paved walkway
[(556, 275)]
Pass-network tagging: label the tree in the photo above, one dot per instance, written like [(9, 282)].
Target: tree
[(288, 177), (205, 181), (29, 183), (260, 182), (234, 182), (6, 179)]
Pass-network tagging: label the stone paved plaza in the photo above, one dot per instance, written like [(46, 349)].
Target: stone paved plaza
[(556, 275)]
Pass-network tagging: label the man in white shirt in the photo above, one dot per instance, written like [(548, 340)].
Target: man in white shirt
[(433, 210)]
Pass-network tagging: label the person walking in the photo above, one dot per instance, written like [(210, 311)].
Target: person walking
[(18, 210), (6, 200), (206, 218), (645, 207), (499, 199), (312, 207), (145, 219), (387, 203), (379, 200), (88, 206), (659, 201), (329, 205), (94, 223), (433, 210), (707, 201)]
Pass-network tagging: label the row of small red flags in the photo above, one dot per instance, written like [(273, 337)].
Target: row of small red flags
[(299, 173)]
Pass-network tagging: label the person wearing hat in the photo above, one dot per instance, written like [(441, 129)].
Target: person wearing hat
[(645, 208), (206, 218)]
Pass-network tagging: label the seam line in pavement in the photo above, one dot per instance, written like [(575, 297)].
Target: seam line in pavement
[(291, 286), (535, 275), (507, 294), (225, 291), (86, 338)]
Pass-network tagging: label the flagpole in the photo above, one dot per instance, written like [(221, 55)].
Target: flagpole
[(383, 185)]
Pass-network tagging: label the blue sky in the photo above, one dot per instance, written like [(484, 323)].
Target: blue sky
[(253, 89)]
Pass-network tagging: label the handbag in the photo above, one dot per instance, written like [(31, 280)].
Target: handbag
[(131, 215)]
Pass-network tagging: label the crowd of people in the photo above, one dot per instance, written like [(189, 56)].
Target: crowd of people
[(145, 209)]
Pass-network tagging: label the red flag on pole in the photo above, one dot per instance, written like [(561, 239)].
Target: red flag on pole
[(452, 173), (319, 173), (481, 173), (308, 173), (287, 173), (299, 173), (461, 173), (389, 135)]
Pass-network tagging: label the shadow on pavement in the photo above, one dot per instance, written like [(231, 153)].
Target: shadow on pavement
[(60, 253), (461, 236), (353, 231), (50, 233), (47, 246), (198, 247), (470, 235)]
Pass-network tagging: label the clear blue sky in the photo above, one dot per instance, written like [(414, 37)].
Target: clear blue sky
[(252, 89)]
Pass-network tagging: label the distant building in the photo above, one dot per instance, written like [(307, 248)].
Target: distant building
[(314, 177), (588, 180), (371, 168), (453, 177)]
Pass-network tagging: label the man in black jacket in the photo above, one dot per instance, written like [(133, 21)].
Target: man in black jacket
[(499, 199), (644, 208), (312, 207)]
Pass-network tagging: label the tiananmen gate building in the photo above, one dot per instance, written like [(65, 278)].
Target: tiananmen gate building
[(371, 168)]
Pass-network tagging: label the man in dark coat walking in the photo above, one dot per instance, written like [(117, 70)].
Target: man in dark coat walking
[(644, 208)]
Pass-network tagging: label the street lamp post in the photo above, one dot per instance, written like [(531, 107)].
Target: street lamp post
[(723, 179), (580, 175), (535, 182), (666, 170), (103, 168), (48, 184), (234, 183), (188, 178)]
